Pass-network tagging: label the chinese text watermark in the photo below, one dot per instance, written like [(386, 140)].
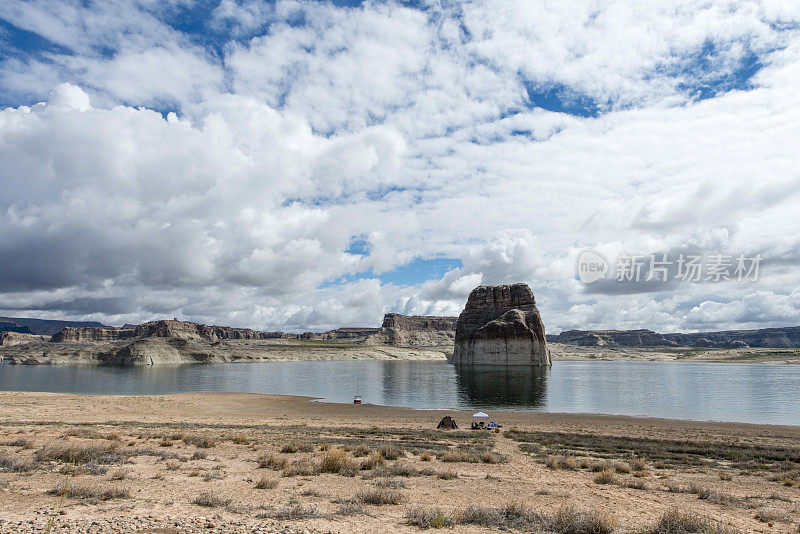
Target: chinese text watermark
[(592, 266)]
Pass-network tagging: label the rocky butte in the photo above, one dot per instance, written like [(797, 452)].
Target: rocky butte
[(500, 325)]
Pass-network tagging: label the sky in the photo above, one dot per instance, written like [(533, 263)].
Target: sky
[(302, 165)]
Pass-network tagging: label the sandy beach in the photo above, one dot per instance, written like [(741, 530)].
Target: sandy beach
[(266, 463)]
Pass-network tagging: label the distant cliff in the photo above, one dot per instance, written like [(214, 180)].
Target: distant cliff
[(195, 331), (767, 337), (47, 327), (172, 342)]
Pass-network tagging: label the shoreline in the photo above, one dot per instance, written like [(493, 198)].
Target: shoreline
[(312, 408)]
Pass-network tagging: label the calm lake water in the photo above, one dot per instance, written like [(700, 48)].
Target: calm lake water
[(751, 393)]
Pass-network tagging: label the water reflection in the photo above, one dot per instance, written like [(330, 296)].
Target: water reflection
[(502, 386)]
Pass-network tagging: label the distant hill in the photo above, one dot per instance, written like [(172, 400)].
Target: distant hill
[(786, 338), (43, 327)]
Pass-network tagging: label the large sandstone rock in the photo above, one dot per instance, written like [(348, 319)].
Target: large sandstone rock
[(500, 325)]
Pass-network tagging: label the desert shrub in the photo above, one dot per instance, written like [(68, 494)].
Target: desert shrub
[(266, 482), (429, 517), (25, 443), (199, 455), (203, 441), (390, 483), (456, 456), (622, 468), (272, 461), (725, 476), (771, 515), (361, 450), (380, 496), (350, 507), (165, 442), (405, 470), (119, 474), (296, 446), (240, 439), (9, 463), (426, 457), (80, 454), (300, 468), (336, 461), (568, 520), (209, 500), (294, 510), (641, 474), (372, 461), (606, 476), (84, 492), (492, 458), (481, 515), (676, 521), (637, 484), (638, 464), (389, 451), (562, 462), (598, 466), (447, 475)]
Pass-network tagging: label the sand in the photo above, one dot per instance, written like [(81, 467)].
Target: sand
[(164, 470)]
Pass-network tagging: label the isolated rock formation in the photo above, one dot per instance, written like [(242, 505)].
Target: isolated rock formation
[(500, 325)]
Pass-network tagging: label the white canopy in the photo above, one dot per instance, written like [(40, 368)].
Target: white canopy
[(480, 414)]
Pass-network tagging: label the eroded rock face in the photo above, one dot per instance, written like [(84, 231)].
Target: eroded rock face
[(415, 331), (500, 325), (72, 334)]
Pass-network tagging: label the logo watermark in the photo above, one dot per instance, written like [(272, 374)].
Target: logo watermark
[(592, 267)]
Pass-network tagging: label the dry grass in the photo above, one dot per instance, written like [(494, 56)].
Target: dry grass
[(374, 460), (771, 515), (203, 441), (676, 521), (292, 511), (240, 439), (447, 475), (301, 468), (272, 461), (380, 496), (351, 507), (266, 482), (514, 515), (606, 476), (389, 451), (80, 454), (89, 493), (297, 446), (14, 465), (336, 461), (429, 517), (209, 500)]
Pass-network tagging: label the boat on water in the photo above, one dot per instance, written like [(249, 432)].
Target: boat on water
[(357, 399)]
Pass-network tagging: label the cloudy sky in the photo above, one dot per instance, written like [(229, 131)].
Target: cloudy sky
[(305, 165)]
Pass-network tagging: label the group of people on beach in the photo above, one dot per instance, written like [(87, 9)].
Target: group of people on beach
[(480, 425)]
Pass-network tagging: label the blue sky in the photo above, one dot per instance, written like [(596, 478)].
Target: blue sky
[(305, 165)]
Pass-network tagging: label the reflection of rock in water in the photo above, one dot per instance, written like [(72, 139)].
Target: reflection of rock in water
[(502, 386)]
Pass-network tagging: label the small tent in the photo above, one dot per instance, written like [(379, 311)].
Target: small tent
[(447, 423)]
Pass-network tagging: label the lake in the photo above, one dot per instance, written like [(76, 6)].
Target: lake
[(753, 393)]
